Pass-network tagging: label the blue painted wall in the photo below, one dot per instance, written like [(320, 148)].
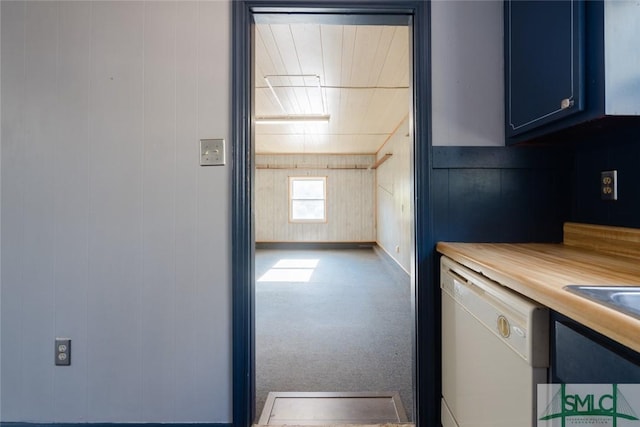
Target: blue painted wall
[(618, 150), (501, 194)]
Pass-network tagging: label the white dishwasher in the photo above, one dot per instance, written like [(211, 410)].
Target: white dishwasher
[(495, 350)]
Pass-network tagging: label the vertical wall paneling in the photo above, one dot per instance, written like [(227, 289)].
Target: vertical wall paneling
[(618, 150), (0, 223), (158, 217), (37, 288), (213, 360), (498, 194), (71, 206), (13, 137), (394, 207), (518, 205), (116, 138), (350, 198), (588, 206), (474, 196), (186, 208), (112, 234)]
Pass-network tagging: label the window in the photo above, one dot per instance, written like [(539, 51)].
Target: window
[(307, 199)]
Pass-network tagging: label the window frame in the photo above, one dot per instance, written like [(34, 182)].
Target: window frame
[(291, 180)]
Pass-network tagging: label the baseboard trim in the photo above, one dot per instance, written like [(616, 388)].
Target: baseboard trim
[(392, 263), (125, 424), (315, 245)]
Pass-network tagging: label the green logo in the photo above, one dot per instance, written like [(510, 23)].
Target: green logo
[(588, 406)]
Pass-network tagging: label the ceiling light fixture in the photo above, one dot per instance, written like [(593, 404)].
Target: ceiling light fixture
[(289, 84), (293, 119)]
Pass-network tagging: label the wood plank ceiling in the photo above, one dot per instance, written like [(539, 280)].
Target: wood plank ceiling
[(363, 86)]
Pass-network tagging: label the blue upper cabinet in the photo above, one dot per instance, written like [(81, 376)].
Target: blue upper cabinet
[(544, 62), (572, 69)]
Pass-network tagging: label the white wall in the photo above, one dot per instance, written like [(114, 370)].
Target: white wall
[(394, 198), (467, 72), (0, 223), (350, 199), (112, 235)]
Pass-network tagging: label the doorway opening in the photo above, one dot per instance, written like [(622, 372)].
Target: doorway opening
[(333, 214), (315, 208)]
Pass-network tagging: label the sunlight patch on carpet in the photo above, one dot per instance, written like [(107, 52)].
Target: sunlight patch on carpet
[(290, 270)]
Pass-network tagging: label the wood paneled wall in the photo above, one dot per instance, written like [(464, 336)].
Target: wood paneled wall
[(393, 202), (350, 198)]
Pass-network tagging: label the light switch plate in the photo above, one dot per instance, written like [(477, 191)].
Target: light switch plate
[(212, 152)]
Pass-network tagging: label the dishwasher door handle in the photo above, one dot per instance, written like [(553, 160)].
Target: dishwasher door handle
[(460, 283)]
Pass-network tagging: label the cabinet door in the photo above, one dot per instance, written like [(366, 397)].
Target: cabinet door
[(582, 356), (544, 62)]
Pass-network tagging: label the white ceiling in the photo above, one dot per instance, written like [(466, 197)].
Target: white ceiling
[(364, 80)]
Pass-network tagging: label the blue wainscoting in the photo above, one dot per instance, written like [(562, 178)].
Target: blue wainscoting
[(618, 151), (501, 194)]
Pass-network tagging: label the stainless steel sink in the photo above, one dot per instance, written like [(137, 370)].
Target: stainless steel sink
[(625, 299)]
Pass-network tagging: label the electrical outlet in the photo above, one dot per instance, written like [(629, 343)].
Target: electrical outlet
[(212, 152), (609, 185), (63, 352)]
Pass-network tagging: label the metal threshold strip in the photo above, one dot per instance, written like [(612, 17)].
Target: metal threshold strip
[(322, 408)]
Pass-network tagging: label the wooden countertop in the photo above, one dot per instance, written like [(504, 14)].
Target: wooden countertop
[(540, 271)]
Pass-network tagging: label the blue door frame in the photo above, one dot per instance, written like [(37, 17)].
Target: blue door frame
[(426, 292)]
